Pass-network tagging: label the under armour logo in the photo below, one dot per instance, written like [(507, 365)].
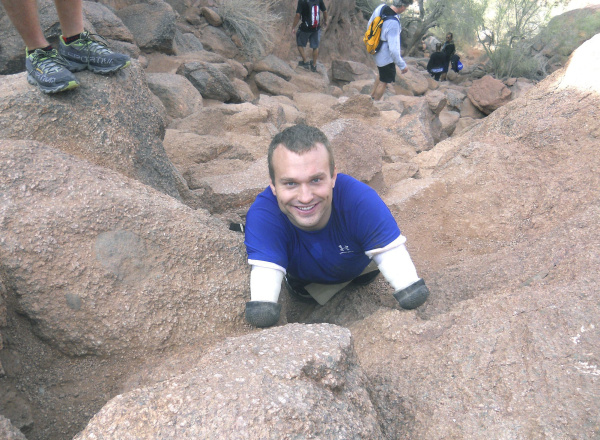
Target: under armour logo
[(344, 249)]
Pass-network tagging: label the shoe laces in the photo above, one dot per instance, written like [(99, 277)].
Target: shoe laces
[(48, 61), (94, 46)]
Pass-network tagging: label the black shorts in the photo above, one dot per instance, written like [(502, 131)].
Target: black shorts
[(387, 73), (302, 38)]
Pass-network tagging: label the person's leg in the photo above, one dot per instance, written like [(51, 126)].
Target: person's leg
[(379, 90), (70, 15), (387, 75), (302, 54), (78, 48), (301, 41), (24, 16), (375, 87), (315, 39)]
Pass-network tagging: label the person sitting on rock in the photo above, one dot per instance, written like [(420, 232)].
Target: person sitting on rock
[(437, 62), (51, 69), (319, 231)]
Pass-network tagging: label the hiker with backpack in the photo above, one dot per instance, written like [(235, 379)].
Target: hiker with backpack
[(308, 13), (318, 231), (448, 49), (437, 62), (388, 55)]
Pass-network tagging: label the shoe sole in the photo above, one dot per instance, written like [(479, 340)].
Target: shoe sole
[(77, 67), (51, 90)]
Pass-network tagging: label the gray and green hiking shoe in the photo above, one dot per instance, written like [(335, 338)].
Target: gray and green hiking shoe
[(88, 53), (49, 71)]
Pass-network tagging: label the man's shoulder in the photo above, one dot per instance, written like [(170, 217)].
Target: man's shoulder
[(351, 188), (265, 200)]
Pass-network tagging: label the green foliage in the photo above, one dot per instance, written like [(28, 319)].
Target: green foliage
[(367, 6), (517, 61), (513, 25), (572, 30), (464, 18), (253, 21)]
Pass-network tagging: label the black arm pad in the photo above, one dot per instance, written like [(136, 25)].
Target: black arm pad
[(412, 296), (262, 313)]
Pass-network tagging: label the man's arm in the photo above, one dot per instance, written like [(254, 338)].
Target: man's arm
[(265, 286), (296, 21), (393, 40), (395, 264)]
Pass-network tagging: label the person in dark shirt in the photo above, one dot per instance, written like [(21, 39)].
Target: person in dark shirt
[(437, 62), (309, 11), (448, 49)]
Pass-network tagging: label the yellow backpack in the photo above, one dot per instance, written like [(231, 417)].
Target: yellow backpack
[(372, 38)]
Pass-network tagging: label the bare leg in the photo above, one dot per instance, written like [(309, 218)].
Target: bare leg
[(301, 51), (378, 90), (315, 56), (24, 16), (70, 15), (375, 87)]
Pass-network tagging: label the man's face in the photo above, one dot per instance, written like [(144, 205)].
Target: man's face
[(448, 37), (303, 186)]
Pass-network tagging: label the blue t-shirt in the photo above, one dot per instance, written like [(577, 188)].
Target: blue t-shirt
[(360, 221)]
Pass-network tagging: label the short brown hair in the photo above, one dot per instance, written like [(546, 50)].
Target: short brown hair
[(299, 139)]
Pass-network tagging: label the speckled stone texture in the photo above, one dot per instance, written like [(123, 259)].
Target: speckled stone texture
[(291, 382)]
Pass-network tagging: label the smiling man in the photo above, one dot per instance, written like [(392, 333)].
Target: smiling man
[(318, 231)]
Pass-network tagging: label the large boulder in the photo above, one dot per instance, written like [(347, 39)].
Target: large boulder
[(413, 81), (275, 65), (8, 431), (488, 94), (348, 71), (274, 84), (110, 121), (177, 94), (357, 148), (210, 80), (288, 382), (504, 231), (217, 120), (152, 24), (103, 264)]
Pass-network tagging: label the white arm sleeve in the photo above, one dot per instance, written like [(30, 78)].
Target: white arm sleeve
[(265, 283), (395, 264)]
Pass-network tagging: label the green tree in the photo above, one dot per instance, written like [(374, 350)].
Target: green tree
[(512, 24), (464, 18)]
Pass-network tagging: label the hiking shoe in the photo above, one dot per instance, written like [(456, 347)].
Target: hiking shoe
[(296, 289), (304, 64), (313, 67), (368, 278), (49, 71), (87, 53)]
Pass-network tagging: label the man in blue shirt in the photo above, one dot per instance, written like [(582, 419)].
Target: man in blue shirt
[(320, 230), (389, 55)]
